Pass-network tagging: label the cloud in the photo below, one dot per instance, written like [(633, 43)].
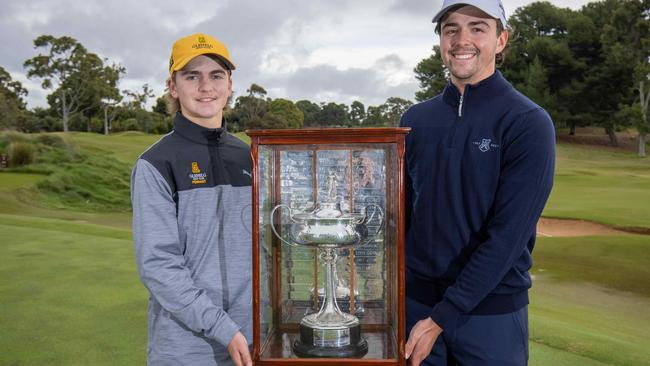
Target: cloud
[(417, 7), (318, 49), (323, 83)]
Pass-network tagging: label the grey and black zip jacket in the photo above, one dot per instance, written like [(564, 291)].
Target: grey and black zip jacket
[(191, 197)]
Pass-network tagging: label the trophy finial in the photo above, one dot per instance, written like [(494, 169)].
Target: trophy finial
[(332, 181)]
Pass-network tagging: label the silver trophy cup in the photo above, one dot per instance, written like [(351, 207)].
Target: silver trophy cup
[(330, 332)]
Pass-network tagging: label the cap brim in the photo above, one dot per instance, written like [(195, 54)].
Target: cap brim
[(444, 11), (185, 60)]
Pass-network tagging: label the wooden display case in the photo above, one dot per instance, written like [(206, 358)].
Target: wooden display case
[(294, 168)]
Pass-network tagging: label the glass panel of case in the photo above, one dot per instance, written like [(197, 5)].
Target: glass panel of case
[(292, 278)]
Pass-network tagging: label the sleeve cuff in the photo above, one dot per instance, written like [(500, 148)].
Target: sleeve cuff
[(224, 331), (445, 314)]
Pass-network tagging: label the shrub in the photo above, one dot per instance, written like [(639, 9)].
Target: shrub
[(129, 124), (20, 153), (51, 140)]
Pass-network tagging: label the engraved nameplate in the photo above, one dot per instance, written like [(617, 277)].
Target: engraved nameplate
[(331, 337)]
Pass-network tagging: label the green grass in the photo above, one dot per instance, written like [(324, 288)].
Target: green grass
[(599, 185), (74, 177), (69, 298), (621, 262), (14, 180), (590, 298), (125, 146), (543, 355)]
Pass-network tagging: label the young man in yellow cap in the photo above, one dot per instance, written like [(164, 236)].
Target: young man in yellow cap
[(191, 198)]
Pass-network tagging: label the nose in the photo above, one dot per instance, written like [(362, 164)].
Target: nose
[(462, 37), (204, 84)]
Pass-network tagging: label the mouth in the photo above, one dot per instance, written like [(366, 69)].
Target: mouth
[(463, 55), (206, 99)]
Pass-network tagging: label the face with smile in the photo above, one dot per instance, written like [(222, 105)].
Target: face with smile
[(469, 44), (202, 87)]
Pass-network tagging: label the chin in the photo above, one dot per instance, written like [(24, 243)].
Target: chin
[(463, 76)]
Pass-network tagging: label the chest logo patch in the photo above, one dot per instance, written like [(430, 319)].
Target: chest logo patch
[(485, 145), (196, 176)]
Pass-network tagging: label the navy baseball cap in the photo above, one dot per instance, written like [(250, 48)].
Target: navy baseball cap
[(493, 8)]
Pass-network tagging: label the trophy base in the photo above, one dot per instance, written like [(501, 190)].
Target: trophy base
[(330, 343)]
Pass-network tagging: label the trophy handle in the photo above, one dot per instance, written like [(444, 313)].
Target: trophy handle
[(273, 224), (367, 219)]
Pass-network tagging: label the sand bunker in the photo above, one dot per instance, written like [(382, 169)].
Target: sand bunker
[(557, 227)]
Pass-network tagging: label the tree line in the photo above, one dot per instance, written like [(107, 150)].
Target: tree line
[(585, 67), (85, 97)]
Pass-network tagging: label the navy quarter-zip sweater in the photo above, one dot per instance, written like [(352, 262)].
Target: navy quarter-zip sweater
[(479, 172)]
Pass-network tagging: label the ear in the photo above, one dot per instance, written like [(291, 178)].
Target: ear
[(229, 86), (502, 40), (171, 86)]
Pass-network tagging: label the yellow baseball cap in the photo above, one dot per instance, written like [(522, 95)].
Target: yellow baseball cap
[(186, 48)]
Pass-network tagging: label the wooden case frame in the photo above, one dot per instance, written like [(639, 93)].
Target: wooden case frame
[(265, 353)]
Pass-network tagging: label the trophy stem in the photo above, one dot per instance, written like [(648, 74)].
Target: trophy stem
[(330, 332), (330, 304)]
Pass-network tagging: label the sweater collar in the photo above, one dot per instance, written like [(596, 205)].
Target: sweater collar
[(198, 133), (486, 88)]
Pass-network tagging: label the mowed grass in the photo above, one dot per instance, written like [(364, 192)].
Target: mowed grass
[(12, 180), (590, 298), (77, 284), (600, 185), (69, 294), (125, 146)]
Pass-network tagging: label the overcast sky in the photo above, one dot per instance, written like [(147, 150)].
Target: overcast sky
[(320, 50)]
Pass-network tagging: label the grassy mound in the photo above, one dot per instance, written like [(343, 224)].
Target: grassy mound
[(74, 178)]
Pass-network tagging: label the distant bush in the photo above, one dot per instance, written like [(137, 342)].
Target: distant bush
[(14, 136), (129, 124), (20, 153), (34, 122), (52, 140)]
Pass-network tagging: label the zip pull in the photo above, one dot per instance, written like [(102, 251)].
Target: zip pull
[(460, 106)]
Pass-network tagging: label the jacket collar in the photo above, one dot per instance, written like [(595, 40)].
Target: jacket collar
[(486, 88), (197, 133)]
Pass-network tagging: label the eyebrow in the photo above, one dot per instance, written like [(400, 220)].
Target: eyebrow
[(196, 72), (471, 24)]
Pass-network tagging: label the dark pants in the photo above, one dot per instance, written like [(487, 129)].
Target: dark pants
[(478, 340)]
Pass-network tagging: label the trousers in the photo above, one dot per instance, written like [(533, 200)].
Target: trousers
[(478, 340)]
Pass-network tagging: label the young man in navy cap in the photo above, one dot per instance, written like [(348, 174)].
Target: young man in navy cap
[(480, 160), (191, 197)]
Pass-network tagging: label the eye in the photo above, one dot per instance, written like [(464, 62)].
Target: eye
[(450, 31), (191, 77)]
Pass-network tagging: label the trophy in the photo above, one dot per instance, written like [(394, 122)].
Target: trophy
[(330, 332)]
